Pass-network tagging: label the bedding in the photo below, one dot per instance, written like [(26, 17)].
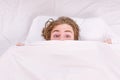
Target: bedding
[(61, 60), (4, 42)]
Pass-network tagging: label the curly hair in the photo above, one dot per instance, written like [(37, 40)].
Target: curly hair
[(51, 23)]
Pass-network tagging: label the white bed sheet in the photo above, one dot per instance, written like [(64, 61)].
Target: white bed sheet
[(61, 60)]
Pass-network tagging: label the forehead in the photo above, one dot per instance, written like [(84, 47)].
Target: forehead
[(63, 27)]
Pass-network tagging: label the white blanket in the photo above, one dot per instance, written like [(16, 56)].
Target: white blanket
[(61, 60)]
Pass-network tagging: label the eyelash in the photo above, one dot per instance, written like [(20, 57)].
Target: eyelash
[(56, 36), (67, 36)]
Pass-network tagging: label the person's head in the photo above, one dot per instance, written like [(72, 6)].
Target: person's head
[(64, 28)]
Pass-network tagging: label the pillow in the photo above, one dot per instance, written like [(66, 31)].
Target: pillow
[(90, 28)]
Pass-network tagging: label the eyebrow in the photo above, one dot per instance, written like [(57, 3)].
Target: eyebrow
[(65, 31), (68, 31), (55, 31)]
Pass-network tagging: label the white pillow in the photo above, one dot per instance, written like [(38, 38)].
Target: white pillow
[(90, 28)]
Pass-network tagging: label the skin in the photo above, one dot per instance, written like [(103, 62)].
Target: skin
[(109, 41), (62, 32), (20, 44)]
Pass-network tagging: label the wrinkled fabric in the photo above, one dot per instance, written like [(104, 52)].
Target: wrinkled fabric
[(61, 60)]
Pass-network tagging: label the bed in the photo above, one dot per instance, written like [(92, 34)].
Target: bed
[(88, 58)]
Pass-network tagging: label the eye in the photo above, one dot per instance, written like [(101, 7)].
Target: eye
[(67, 36), (56, 35)]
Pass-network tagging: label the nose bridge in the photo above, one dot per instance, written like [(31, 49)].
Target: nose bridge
[(62, 36)]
